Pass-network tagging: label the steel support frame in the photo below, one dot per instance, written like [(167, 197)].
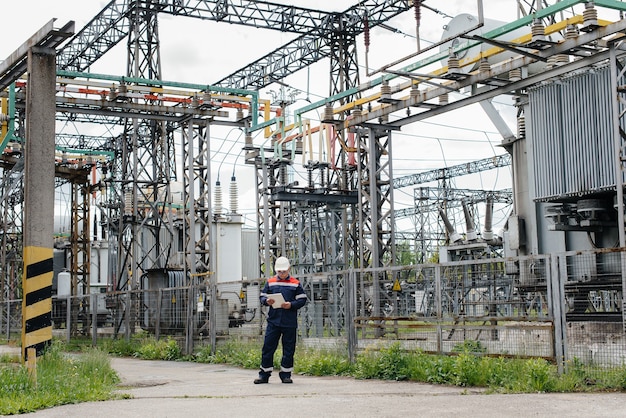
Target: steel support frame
[(146, 239), (11, 202), (198, 214), (80, 255), (618, 71), (376, 198)]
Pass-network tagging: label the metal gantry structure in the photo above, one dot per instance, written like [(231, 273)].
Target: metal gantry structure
[(149, 144)]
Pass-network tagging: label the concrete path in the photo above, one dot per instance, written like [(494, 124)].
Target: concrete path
[(181, 389)]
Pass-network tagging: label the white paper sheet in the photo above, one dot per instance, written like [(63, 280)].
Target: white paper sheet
[(278, 299)]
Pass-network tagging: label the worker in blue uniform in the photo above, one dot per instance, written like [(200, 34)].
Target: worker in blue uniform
[(282, 320)]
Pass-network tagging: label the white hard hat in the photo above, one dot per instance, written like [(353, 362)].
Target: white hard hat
[(282, 264)]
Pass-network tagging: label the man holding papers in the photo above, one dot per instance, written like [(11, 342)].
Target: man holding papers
[(284, 295)]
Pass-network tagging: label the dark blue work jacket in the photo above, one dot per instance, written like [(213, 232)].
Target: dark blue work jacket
[(292, 291)]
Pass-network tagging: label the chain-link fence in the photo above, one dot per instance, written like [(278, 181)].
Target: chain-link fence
[(565, 307)]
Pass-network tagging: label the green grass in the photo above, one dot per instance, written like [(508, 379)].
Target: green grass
[(467, 368), (61, 379)]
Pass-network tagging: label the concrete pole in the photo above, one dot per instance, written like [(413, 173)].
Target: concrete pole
[(38, 200)]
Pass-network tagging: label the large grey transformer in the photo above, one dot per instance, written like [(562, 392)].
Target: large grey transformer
[(566, 185), (566, 198), (570, 162)]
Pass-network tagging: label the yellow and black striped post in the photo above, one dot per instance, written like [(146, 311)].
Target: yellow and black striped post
[(37, 300), (38, 200)]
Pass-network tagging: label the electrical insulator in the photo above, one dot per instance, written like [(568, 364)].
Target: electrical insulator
[(487, 232), (484, 65), (590, 17), (538, 31), (328, 113), (128, 202), (366, 33), (234, 207), (218, 198), (248, 141), (521, 126), (385, 90), (515, 75), (309, 176), (418, 11)]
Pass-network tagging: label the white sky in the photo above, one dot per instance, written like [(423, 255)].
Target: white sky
[(203, 52)]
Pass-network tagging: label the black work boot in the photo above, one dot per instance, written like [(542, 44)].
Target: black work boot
[(264, 377)]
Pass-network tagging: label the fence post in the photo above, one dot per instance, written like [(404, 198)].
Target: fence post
[(438, 306), (8, 319), (190, 319), (350, 312), (68, 318), (94, 319), (157, 323), (213, 313), (557, 275), (127, 309)]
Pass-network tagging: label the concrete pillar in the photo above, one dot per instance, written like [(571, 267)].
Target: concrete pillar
[(38, 200)]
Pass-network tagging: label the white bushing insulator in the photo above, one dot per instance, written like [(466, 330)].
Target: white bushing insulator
[(455, 237), (234, 206), (484, 65), (561, 59), (385, 90), (444, 99), (571, 32), (128, 202), (218, 198), (521, 126), (590, 16), (515, 74), (453, 63), (328, 113), (206, 98), (538, 30)]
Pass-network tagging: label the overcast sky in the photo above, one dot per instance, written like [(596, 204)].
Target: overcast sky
[(204, 52)]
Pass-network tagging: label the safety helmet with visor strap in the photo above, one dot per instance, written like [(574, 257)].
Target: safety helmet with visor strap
[(282, 264)]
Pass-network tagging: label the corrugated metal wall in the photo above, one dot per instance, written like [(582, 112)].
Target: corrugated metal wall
[(570, 133), (250, 254)]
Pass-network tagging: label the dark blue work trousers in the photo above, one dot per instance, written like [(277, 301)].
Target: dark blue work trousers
[(273, 334)]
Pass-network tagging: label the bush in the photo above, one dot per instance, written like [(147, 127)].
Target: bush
[(322, 363), (390, 363), (540, 376), (153, 349)]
